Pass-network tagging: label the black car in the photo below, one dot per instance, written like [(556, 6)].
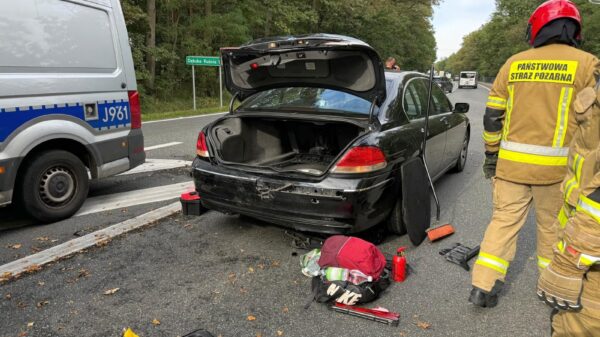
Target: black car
[(444, 83), (322, 135)]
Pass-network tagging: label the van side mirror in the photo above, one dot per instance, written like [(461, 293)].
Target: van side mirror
[(461, 108)]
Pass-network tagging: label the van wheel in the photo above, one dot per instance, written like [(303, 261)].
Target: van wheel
[(461, 161), (53, 186), (394, 223)]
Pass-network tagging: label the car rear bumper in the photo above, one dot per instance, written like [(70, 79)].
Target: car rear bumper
[(333, 205)]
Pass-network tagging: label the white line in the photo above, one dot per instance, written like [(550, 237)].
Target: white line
[(63, 250), (188, 117), (484, 86), (152, 165), (160, 146), (134, 198)]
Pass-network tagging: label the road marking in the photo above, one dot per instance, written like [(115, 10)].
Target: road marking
[(484, 86), (134, 198), (188, 117), (33, 262), (152, 165), (160, 146)]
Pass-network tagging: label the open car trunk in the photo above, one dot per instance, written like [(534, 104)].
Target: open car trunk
[(302, 146)]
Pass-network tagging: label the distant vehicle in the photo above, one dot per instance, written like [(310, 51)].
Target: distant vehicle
[(467, 79), (321, 136), (69, 106), (444, 83)]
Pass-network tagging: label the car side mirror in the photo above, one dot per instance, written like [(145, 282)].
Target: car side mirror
[(461, 108)]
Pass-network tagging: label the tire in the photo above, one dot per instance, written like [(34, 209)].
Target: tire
[(53, 186), (461, 161), (394, 223)]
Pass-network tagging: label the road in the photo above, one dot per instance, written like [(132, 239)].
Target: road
[(216, 270)]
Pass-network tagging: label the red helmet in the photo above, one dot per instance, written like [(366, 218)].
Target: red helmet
[(550, 11)]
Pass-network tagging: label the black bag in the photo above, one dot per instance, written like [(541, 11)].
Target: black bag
[(346, 292)]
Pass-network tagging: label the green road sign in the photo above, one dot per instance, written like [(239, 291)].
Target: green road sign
[(207, 61)]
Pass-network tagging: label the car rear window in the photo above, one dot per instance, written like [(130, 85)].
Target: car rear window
[(467, 75), (307, 99)]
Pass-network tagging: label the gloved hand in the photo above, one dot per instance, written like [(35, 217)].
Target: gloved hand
[(560, 284), (489, 164)]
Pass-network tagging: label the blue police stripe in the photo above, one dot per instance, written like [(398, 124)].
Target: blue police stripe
[(13, 118)]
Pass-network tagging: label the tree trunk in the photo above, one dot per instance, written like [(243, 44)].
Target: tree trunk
[(151, 42)]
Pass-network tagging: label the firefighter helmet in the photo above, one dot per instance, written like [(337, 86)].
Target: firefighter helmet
[(550, 11)]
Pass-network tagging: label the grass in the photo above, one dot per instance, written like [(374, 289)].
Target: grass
[(153, 109)]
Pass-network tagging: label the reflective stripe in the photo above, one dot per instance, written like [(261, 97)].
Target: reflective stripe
[(543, 262), (561, 246), (562, 121), (492, 262), (533, 154), (492, 137), (589, 207), (563, 217), (509, 107), (587, 260), (496, 102), (535, 149), (573, 183)]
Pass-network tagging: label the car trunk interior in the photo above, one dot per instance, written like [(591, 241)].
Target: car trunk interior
[(284, 145)]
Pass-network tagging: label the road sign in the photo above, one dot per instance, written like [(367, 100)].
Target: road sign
[(207, 61)]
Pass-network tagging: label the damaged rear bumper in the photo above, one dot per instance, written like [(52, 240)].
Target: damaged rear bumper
[(333, 205)]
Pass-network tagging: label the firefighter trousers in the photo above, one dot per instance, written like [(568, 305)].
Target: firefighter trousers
[(512, 202), (585, 323)]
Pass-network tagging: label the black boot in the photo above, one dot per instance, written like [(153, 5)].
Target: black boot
[(485, 299)]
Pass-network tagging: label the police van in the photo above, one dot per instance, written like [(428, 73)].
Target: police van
[(467, 79), (69, 106)]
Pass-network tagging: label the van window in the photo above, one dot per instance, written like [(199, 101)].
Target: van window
[(55, 35), (467, 75)]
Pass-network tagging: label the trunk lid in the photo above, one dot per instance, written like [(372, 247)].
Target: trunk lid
[(319, 60)]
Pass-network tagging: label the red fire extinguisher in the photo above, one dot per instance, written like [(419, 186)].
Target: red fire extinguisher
[(399, 265)]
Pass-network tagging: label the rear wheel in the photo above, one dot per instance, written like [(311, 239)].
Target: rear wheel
[(461, 161), (53, 186), (394, 223)]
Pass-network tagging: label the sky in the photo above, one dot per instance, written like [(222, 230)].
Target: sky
[(454, 19)]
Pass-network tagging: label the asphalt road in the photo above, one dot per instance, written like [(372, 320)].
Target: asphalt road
[(215, 271)]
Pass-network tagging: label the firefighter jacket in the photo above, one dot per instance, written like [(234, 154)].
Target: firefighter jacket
[(529, 118), (580, 217)]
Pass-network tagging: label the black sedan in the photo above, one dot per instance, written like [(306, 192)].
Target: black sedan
[(322, 136)]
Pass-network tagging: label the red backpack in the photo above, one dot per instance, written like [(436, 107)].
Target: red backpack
[(352, 253)]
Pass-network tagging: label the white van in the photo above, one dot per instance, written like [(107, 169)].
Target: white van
[(69, 106), (467, 79)]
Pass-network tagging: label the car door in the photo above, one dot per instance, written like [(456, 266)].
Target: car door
[(415, 106), (454, 124)]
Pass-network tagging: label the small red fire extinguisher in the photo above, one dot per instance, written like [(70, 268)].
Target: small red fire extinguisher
[(399, 265)]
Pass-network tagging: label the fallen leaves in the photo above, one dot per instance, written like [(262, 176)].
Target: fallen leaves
[(6, 276), (83, 273), (42, 238), (155, 322), (41, 283), (250, 270), (33, 268), (423, 325), (8, 297), (251, 318), (111, 291), (285, 310), (15, 246), (41, 304), (232, 277), (30, 325), (279, 333), (22, 334)]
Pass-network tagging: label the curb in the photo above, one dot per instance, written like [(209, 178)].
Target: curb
[(33, 263)]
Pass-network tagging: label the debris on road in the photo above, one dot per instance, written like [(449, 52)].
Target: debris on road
[(129, 333), (377, 314), (460, 255), (111, 291), (15, 246), (41, 304), (155, 322), (423, 325), (440, 232), (251, 318)]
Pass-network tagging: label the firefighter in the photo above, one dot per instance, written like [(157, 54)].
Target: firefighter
[(528, 124)]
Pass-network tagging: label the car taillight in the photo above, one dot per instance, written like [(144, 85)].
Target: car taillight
[(361, 159), (201, 148), (135, 109)]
